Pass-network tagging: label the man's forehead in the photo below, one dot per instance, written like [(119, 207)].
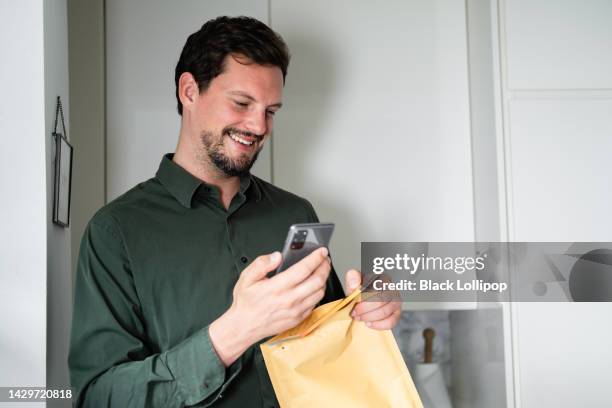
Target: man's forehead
[(246, 78)]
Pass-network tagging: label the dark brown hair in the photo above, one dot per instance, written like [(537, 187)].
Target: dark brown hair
[(206, 49)]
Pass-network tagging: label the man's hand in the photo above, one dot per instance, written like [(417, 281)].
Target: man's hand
[(263, 307), (377, 315)]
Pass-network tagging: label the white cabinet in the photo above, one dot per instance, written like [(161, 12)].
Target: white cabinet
[(559, 165), (557, 44), (555, 77)]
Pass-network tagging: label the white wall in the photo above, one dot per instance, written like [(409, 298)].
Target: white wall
[(23, 215), (87, 113), (482, 120), (375, 130), (59, 275), (556, 75)]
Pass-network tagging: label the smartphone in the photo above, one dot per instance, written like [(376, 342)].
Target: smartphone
[(302, 240)]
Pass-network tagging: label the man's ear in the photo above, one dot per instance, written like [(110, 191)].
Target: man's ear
[(188, 90)]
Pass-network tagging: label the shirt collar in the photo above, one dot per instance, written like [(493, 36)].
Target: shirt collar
[(183, 185)]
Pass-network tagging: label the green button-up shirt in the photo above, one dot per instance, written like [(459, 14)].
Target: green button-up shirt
[(156, 267)]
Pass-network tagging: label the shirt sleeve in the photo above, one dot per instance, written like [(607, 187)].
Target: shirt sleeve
[(110, 360), (333, 288)]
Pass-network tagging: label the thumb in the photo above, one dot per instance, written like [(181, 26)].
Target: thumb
[(353, 280), (261, 266)]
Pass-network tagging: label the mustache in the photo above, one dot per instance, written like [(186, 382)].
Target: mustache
[(255, 136)]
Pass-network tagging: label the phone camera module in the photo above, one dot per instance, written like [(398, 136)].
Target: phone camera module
[(297, 244)]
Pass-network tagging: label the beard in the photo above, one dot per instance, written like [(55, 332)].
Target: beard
[(214, 152)]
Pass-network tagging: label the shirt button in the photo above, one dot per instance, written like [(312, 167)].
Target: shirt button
[(244, 259)]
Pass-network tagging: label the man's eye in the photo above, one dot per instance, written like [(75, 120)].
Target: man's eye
[(271, 113), (241, 104)]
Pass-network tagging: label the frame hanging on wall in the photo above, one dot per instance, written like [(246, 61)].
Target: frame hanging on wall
[(63, 171)]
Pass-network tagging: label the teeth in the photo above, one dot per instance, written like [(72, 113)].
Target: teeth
[(240, 140)]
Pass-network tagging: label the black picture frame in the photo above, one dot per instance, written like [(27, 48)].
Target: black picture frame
[(63, 181)]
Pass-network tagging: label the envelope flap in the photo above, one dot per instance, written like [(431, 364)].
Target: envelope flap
[(353, 297)]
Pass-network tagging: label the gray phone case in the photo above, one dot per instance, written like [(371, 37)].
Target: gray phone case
[(302, 239)]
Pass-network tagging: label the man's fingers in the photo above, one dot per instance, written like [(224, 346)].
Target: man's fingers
[(366, 306), (310, 302), (301, 310), (301, 270), (352, 280), (316, 281), (380, 313), (261, 266)]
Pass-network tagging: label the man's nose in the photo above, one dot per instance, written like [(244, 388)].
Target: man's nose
[(256, 123)]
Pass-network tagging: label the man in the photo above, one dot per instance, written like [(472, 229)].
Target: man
[(172, 298)]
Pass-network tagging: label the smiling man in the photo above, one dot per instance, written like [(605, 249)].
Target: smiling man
[(171, 297)]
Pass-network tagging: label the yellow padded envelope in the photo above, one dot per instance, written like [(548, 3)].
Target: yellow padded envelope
[(331, 360)]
